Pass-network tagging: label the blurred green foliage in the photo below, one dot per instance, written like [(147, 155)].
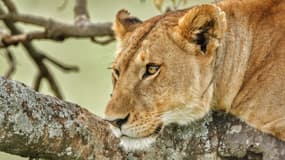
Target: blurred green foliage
[(90, 87)]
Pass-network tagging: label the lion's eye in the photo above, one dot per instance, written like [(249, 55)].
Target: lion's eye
[(151, 69)]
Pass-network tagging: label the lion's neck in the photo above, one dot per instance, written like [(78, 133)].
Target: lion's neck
[(231, 60)]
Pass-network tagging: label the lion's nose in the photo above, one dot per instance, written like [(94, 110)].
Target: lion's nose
[(120, 121)]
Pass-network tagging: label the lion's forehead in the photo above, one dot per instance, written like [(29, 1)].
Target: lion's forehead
[(144, 35), (132, 43)]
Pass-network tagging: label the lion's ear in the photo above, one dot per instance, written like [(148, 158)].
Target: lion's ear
[(124, 23), (202, 24)]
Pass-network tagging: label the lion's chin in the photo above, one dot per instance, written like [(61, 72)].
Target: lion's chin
[(136, 144)]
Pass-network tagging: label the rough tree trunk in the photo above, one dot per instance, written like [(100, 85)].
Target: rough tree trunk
[(36, 125)]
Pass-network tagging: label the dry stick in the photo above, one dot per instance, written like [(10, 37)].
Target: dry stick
[(80, 8), (36, 57), (63, 67), (38, 81), (56, 30)]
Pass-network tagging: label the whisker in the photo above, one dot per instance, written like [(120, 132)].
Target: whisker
[(158, 129)]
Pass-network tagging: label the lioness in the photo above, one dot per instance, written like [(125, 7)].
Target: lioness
[(175, 67)]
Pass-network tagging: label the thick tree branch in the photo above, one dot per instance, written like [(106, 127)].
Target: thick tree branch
[(38, 126), (35, 125)]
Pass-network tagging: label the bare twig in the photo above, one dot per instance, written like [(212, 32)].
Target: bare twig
[(10, 5), (80, 8), (36, 56), (38, 81), (62, 5), (12, 64), (66, 68), (54, 86)]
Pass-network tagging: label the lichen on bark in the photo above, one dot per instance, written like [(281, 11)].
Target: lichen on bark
[(37, 125)]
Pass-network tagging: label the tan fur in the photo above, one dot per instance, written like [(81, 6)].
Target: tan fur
[(241, 69)]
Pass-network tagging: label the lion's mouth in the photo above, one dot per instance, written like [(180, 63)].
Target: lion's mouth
[(155, 133)]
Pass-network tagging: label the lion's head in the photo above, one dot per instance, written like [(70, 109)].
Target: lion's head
[(162, 73)]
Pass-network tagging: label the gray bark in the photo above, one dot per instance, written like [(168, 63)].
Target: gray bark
[(37, 125)]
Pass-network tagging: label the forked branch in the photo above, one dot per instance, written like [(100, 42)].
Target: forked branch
[(37, 56), (54, 29)]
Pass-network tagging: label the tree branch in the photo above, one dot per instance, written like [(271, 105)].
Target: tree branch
[(36, 56), (25, 37), (64, 67), (35, 125), (55, 30)]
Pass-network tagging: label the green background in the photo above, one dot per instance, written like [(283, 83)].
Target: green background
[(90, 87)]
